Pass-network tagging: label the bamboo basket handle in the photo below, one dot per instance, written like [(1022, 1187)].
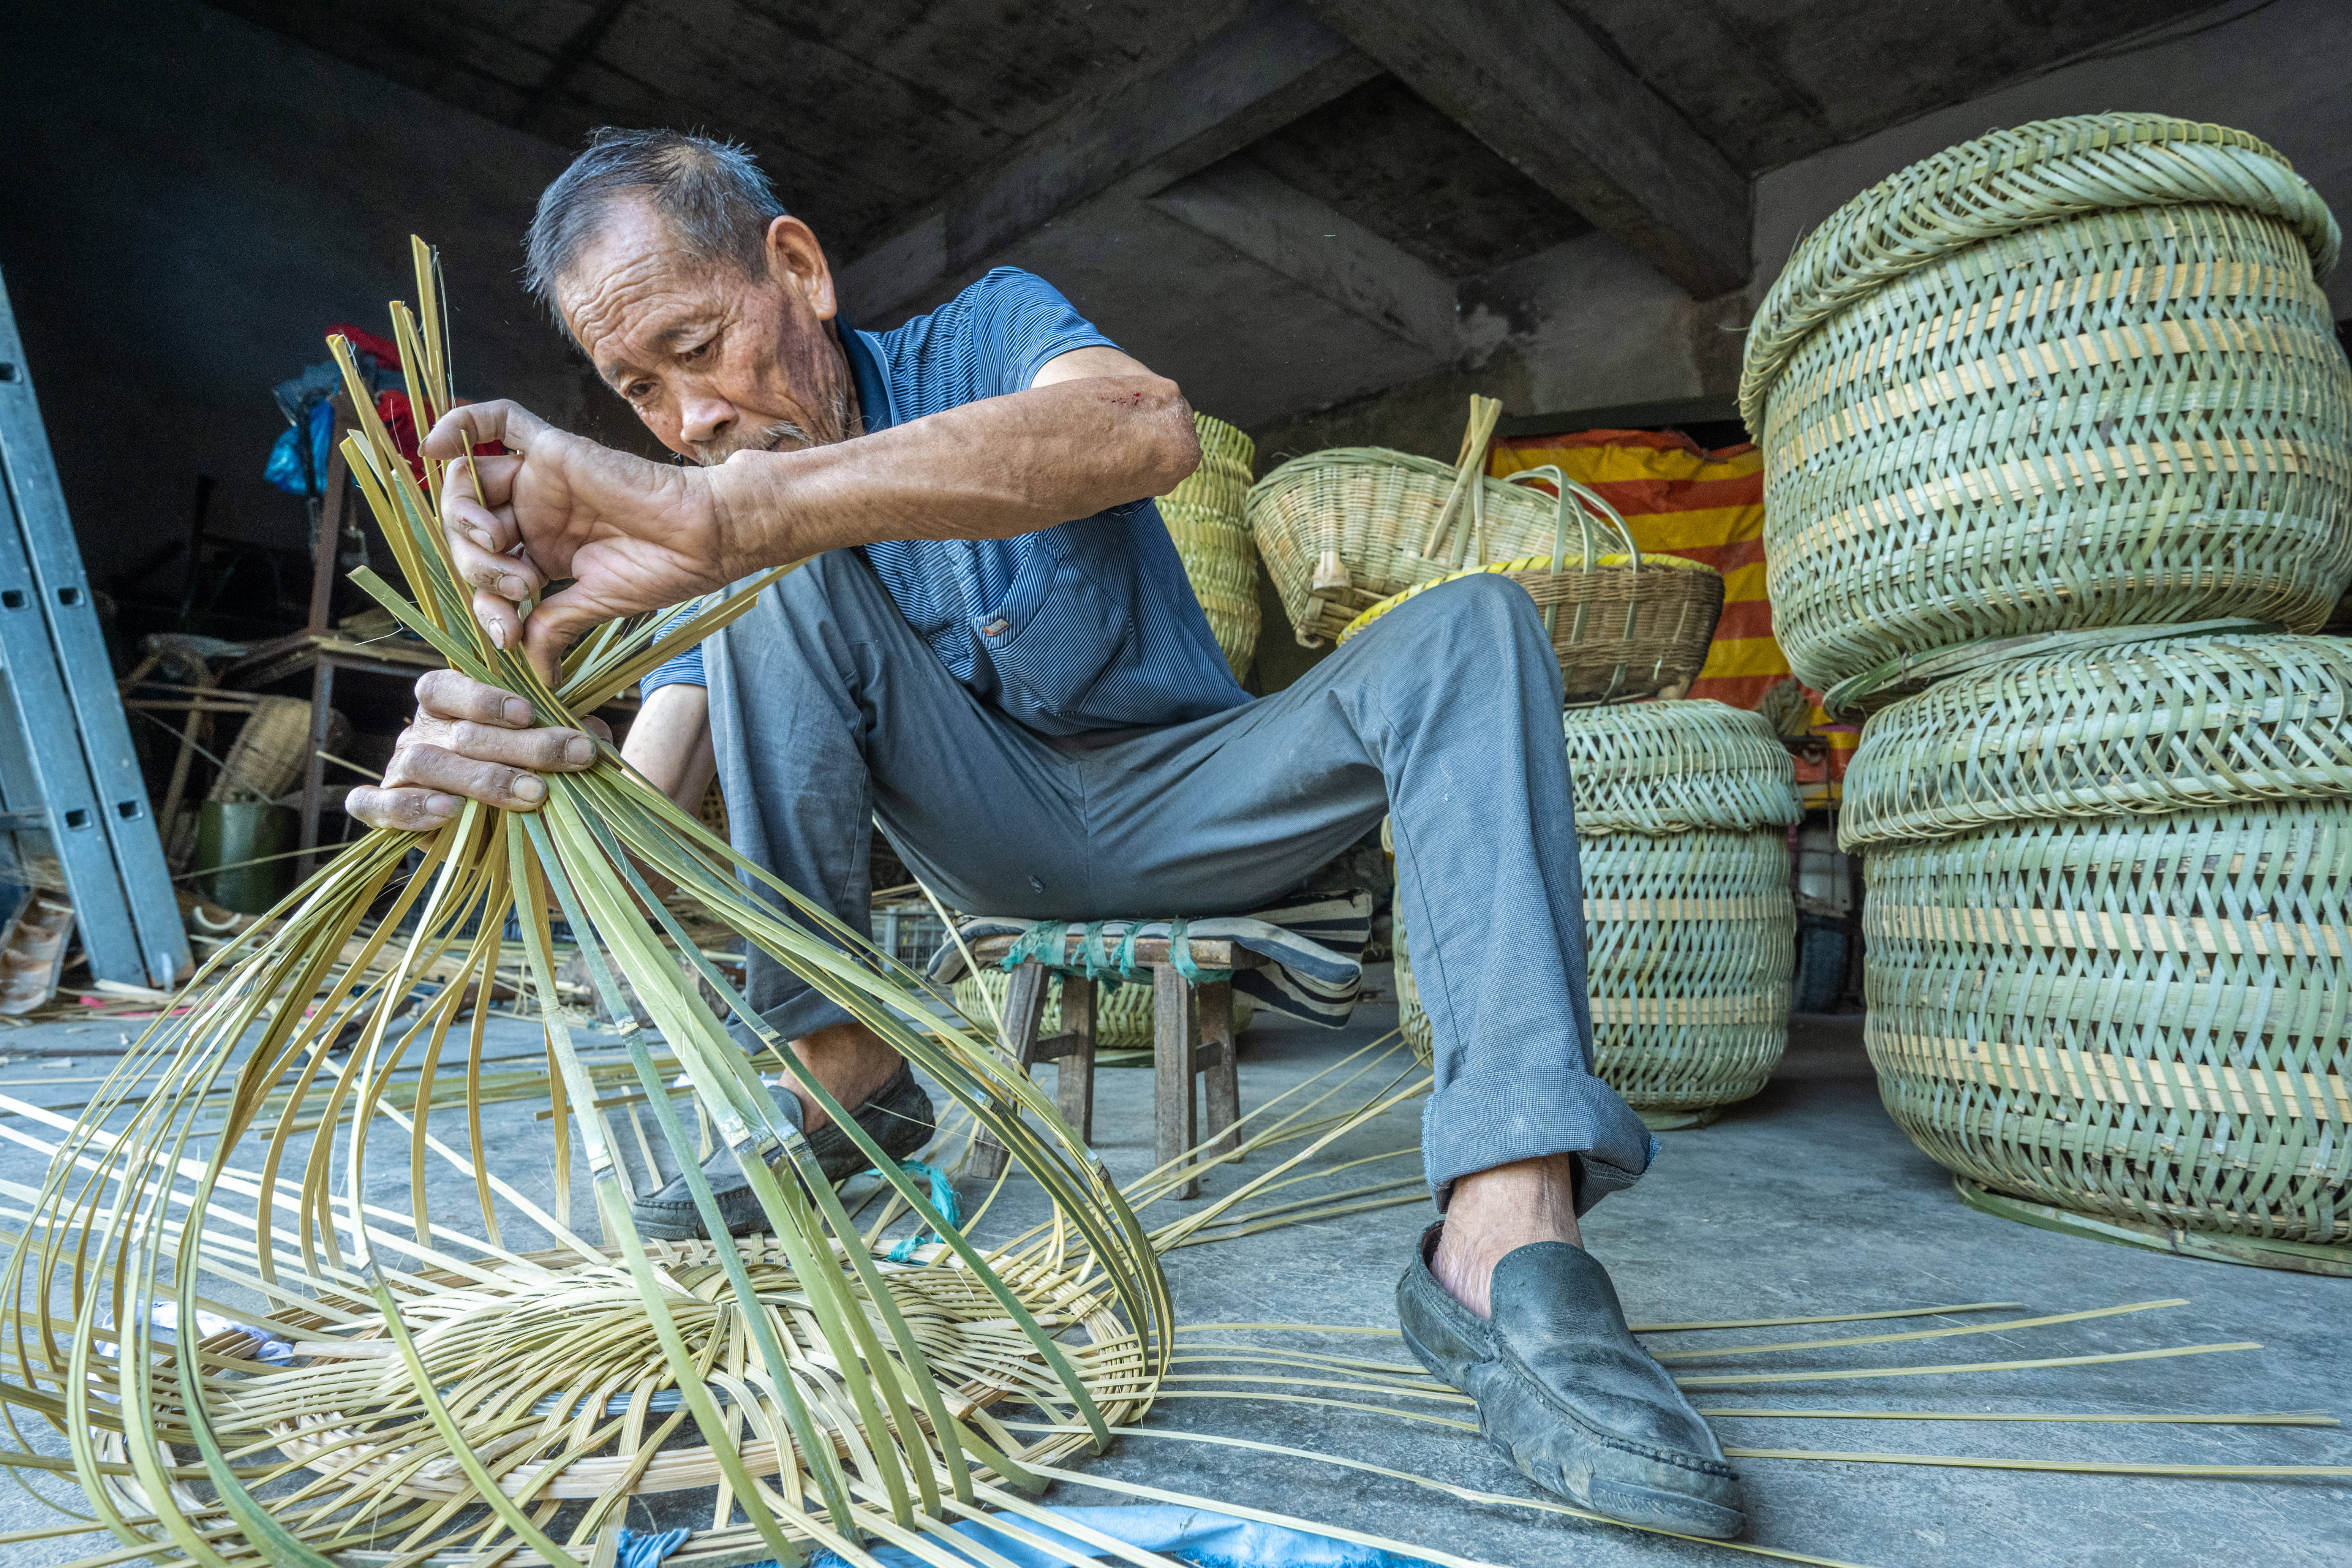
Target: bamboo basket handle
[(1469, 475)]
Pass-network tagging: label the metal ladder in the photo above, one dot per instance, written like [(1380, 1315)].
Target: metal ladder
[(67, 774)]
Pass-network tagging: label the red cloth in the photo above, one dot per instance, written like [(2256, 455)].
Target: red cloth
[(364, 342)]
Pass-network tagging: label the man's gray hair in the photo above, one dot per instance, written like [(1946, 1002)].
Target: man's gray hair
[(711, 195)]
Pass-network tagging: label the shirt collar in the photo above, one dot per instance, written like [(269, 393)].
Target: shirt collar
[(873, 391)]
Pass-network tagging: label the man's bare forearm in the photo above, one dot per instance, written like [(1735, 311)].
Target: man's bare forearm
[(990, 469)]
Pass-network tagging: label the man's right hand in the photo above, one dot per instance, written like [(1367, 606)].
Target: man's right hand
[(474, 741)]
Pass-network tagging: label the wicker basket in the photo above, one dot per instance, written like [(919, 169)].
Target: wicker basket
[(1123, 1015), (2079, 373), (2137, 1018), (1625, 627), (1690, 928), (1673, 767), (1375, 511), (2147, 727), (1206, 516), (2107, 926), (267, 757)]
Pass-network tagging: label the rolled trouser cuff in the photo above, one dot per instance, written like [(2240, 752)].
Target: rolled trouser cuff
[(1483, 1119), (801, 1013)]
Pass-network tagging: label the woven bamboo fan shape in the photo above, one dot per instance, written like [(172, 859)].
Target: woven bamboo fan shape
[(1123, 1016), (1207, 517), (1690, 930), (2107, 933), (2078, 373), (469, 1371)]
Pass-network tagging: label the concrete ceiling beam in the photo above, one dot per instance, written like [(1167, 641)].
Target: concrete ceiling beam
[(1256, 213), (1274, 64), (1528, 80)]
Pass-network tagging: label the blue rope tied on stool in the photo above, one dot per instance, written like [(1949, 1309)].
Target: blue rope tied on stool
[(1044, 942), (943, 1199)]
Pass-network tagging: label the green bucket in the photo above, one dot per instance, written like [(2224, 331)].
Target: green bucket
[(231, 833)]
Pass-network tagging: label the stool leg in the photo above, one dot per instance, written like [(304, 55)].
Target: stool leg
[(1074, 1087), (1220, 1066), (1024, 1010), (1172, 1072)]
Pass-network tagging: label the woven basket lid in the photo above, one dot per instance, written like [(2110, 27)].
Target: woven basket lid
[(2170, 724), (2010, 180), (1678, 766)]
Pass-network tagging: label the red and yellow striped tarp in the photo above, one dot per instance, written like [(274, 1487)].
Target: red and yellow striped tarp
[(1681, 500)]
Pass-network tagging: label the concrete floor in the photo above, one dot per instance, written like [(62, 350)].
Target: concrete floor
[(1804, 1201)]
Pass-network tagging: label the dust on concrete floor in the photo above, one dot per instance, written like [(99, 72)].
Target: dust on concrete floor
[(1804, 1201)]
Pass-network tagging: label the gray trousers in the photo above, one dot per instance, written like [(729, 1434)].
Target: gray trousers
[(826, 708)]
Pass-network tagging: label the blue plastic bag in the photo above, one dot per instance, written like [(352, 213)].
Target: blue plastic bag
[(285, 466)]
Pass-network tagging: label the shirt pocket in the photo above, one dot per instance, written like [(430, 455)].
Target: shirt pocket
[(1055, 633)]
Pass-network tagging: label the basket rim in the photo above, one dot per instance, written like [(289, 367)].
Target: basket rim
[(2007, 180)]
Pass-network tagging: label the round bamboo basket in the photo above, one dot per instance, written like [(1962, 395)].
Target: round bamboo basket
[(1690, 946), (1624, 626), (1676, 767), (2079, 373), (2107, 929), (1376, 513), (1690, 928), (1123, 1016), (2147, 727), (1206, 516)]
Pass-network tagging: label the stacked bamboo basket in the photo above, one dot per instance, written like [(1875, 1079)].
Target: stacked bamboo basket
[(1206, 517), (1682, 818), (2055, 430)]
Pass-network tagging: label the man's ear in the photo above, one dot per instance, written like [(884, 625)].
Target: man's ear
[(798, 261)]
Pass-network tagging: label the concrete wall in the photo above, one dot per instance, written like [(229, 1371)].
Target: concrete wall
[(187, 201)]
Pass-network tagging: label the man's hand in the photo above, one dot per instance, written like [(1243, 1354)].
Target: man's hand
[(635, 535), (469, 740)]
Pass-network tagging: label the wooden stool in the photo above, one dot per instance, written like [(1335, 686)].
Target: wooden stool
[(1180, 1047)]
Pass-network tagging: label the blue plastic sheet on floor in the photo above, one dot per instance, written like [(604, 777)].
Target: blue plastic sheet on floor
[(1194, 1534)]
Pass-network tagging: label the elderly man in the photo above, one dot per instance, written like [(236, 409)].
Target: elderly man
[(994, 652)]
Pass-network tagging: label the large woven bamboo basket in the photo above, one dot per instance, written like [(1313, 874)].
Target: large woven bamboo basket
[(1690, 927), (1123, 1015), (2079, 373), (1207, 517), (2107, 941)]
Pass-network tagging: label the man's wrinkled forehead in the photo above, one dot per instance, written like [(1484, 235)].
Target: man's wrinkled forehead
[(634, 290)]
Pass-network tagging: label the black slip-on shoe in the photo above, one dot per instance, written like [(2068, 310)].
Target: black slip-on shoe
[(1568, 1395), (897, 1116)]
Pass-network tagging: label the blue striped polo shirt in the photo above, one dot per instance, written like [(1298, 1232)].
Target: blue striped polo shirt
[(1090, 624)]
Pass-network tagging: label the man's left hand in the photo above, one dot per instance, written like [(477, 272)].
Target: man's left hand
[(634, 535)]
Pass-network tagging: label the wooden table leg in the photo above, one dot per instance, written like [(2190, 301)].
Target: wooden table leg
[(314, 766), (1025, 1009), (1073, 1087), (1172, 1125), (1220, 1067)]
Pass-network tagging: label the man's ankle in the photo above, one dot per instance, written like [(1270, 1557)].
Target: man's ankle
[(851, 1061), (1493, 1213)]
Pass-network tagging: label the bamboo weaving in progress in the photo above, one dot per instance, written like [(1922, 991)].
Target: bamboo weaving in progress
[(494, 1384)]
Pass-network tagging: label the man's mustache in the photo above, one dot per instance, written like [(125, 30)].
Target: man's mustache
[(784, 435)]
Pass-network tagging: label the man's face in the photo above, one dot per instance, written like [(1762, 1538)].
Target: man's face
[(714, 363)]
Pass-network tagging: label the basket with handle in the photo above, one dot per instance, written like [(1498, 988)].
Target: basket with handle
[(1624, 626), (1339, 531)]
